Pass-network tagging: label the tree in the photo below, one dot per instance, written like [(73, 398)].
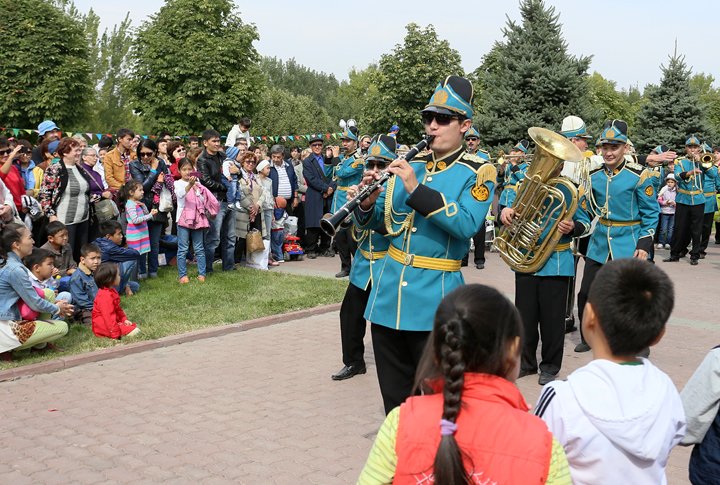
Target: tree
[(298, 79), (406, 79), (529, 79), (702, 85), (611, 103), (283, 113), (672, 110), (352, 95), (194, 66), (45, 71)]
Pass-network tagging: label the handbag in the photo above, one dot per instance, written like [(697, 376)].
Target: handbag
[(166, 203), (254, 240), (105, 210)]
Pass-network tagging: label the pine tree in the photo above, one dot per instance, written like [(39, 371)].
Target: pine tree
[(672, 110), (529, 79)]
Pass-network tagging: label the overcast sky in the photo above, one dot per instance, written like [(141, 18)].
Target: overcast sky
[(628, 39)]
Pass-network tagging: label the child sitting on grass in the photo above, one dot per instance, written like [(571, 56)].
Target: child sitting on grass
[(57, 243), (619, 416), (41, 265), (112, 250), (108, 319), (82, 283)]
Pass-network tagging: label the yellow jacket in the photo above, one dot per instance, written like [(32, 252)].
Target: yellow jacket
[(115, 169)]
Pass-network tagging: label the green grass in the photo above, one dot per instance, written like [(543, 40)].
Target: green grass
[(163, 307)]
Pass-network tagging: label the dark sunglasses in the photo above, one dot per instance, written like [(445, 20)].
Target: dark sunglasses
[(375, 165), (440, 118), (316, 145), (146, 154), (472, 138), (5, 152)]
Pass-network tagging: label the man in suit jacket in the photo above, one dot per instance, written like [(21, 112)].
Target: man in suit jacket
[(317, 201)]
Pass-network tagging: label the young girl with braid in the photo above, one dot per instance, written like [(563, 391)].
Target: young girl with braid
[(472, 424)]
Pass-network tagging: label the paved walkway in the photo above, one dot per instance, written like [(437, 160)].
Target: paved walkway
[(259, 407)]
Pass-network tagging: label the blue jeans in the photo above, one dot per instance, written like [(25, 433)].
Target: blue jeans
[(127, 274), (234, 194), (65, 296), (276, 243), (197, 237), (221, 233), (667, 226), (149, 261), (267, 221)]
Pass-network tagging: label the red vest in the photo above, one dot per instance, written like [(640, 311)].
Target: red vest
[(504, 444)]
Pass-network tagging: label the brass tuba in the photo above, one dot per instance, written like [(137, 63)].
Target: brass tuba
[(539, 207)]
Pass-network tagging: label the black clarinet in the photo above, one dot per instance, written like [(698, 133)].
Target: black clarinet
[(330, 224)]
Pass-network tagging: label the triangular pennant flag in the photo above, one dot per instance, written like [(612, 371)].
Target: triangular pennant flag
[(99, 135), (89, 135), (69, 133), (15, 132), (28, 131), (307, 137), (334, 135), (145, 136), (327, 136), (252, 139), (263, 138), (291, 137)]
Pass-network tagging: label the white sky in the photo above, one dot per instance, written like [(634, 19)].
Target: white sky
[(628, 39)]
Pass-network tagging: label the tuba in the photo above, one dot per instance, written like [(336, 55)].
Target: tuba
[(540, 205)]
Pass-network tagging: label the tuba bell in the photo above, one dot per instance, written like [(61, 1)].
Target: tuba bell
[(540, 204)]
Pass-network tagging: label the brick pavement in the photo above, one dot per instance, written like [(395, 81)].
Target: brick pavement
[(259, 407)]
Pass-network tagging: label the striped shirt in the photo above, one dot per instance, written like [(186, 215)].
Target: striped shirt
[(74, 206), (284, 188)]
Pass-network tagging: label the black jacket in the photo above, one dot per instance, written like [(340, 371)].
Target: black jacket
[(210, 168)]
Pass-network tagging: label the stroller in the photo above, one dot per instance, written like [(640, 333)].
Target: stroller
[(292, 251)]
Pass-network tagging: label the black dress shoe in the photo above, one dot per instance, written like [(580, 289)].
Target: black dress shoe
[(702, 255), (570, 325), (328, 254), (342, 274), (545, 377), (480, 266), (671, 259), (693, 262), (582, 347), (349, 371), (527, 372)]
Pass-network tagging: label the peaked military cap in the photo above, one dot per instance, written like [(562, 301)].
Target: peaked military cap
[(574, 127), (523, 146), (472, 132), (350, 133), (614, 132), (382, 149), (692, 140), (453, 96)]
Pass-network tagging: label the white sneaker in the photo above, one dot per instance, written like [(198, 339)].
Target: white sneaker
[(667, 246), (134, 332), (658, 246), (238, 206)]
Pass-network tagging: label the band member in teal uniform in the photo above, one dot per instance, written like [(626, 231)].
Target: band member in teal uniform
[(372, 247), (710, 188), (346, 173), (689, 204), (624, 200), (541, 296), (430, 209), (472, 146), (514, 172)]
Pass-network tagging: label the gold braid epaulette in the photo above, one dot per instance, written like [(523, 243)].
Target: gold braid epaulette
[(389, 212), (646, 174), (486, 172)]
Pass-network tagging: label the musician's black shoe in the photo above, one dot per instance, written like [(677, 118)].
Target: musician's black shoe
[(527, 372), (545, 378), (349, 371), (582, 347), (702, 255), (570, 325), (328, 253), (480, 266), (671, 259), (342, 274), (693, 262)]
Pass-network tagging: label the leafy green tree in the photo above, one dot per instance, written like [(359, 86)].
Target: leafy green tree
[(405, 80), (45, 72), (194, 66), (283, 113), (298, 79), (611, 103), (529, 79), (702, 85), (672, 110), (351, 96)]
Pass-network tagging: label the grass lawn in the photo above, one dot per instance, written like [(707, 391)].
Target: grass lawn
[(163, 307)]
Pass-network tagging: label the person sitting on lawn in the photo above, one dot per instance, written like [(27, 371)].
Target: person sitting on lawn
[(82, 283), (108, 319), (57, 243), (113, 250), (41, 265)]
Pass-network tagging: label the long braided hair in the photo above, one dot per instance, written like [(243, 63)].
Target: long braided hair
[(474, 328)]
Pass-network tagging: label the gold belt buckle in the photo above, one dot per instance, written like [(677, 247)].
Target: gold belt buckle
[(409, 258)]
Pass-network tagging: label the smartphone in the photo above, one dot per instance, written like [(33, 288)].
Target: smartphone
[(195, 174)]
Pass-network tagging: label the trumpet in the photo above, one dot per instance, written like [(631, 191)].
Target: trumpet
[(331, 222)]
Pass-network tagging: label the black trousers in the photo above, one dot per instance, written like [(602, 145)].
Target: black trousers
[(316, 240), (479, 252), (591, 269), (352, 325), (717, 233), (541, 302), (397, 355), (688, 227), (346, 247), (707, 226), (77, 236)]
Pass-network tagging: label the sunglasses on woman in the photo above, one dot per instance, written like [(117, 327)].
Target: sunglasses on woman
[(147, 154), (5, 152), (440, 118)]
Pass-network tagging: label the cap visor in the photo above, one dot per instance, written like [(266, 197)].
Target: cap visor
[(441, 110)]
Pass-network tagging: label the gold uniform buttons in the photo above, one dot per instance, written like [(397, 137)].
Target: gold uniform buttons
[(404, 283), (414, 229)]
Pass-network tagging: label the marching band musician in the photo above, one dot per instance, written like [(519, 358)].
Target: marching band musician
[(430, 209), (623, 198), (372, 247), (347, 172), (541, 296), (711, 182), (514, 172), (472, 146), (573, 128), (689, 204)]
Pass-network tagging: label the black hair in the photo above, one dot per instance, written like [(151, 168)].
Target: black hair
[(106, 274), (105, 142), (37, 256), (473, 330), (146, 143), (55, 227), (252, 148), (11, 234), (193, 138), (89, 248), (163, 134), (4, 142), (127, 190), (633, 300), (241, 141), (123, 132), (184, 161), (245, 121), (210, 134), (110, 227)]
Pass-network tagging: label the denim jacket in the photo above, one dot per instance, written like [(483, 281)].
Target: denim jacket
[(15, 285)]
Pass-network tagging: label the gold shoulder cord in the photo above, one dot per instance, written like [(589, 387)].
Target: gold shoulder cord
[(358, 235), (586, 183), (390, 213)]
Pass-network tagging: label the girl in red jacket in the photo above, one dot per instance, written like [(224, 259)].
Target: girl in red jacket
[(108, 319), (472, 424)]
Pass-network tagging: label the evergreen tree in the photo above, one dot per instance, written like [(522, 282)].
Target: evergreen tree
[(194, 66), (529, 79), (406, 79), (672, 110)]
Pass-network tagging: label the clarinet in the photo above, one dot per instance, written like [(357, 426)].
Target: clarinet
[(330, 224)]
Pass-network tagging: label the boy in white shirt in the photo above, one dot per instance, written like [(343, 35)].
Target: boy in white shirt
[(619, 416)]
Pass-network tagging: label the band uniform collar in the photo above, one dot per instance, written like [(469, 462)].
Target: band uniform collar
[(438, 165)]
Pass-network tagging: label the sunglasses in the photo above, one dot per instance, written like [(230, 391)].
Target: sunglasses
[(146, 154), (440, 119), (472, 138), (5, 152), (315, 145), (373, 165), (180, 149)]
